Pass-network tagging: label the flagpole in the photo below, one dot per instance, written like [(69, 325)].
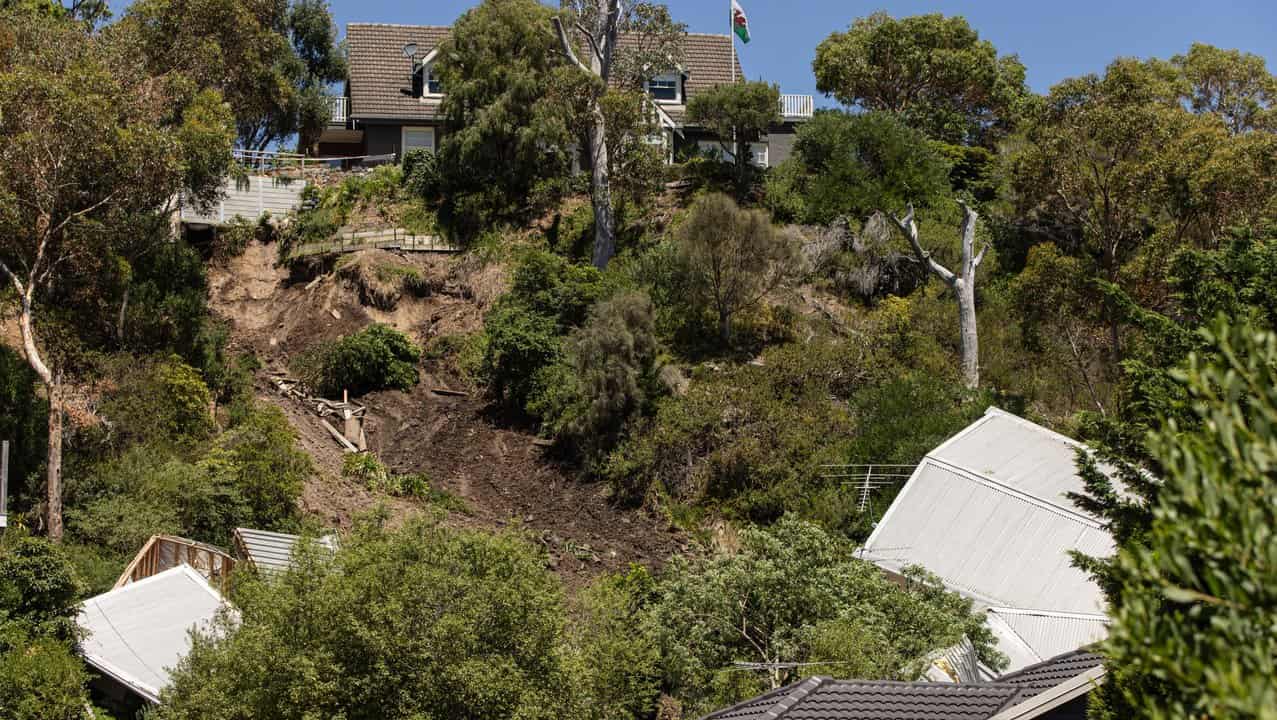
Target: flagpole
[(731, 35)]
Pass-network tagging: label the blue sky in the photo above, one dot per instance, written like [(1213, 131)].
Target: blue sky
[(1055, 40)]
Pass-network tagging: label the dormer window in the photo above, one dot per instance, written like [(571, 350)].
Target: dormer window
[(425, 81), (666, 88)]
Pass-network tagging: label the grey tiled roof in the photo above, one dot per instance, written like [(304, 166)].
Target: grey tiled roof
[(1045, 675), (822, 698), (379, 72), (827, 699)]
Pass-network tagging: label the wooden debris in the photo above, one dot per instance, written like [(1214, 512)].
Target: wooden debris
[(311, 285), (336, 315), (338, 436), (446, 391)]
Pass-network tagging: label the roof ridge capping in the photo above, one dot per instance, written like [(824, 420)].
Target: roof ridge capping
[(789, 696)]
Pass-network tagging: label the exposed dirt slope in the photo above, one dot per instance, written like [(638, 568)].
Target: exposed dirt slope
[(501, 474)]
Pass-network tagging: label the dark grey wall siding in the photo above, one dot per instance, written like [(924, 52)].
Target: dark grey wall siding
[(780, 143), (384, 139)]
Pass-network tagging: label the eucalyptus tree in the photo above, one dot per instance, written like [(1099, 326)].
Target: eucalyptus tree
[(962, 282), (91, 140), (615, 44)]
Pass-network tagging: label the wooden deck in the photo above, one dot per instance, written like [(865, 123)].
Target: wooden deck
[(389, 239)]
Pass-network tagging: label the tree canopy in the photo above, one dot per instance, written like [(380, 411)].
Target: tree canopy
[(933, 71), (418, 622)]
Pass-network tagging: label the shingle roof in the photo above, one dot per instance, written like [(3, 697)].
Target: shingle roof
[(821, 698), (1045, 675), (379, 73)]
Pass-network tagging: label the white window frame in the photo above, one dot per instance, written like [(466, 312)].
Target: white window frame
[(427, 69), (403, 138), (676, 77)]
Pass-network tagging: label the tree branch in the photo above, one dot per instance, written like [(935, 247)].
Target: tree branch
[(594, 44), (567, 46), (909, 228)]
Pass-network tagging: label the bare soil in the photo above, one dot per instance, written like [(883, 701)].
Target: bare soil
[(504, 477)]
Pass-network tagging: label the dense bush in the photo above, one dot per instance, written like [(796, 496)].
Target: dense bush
[(250, 476), (421, 174), (23, 424), (795, 592), (160, 401), (525, 331), (40, 676), (423, 621), (375, 358), (852, 165), (608, 378)]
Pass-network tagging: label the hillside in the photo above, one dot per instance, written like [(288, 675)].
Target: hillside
[(499, 471)]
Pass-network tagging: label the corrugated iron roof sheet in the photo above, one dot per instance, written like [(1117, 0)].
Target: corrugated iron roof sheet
[(986, 512), (1032, 636), (271, 552), (138, 633)]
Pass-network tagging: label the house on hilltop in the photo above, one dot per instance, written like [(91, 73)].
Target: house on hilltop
[(392, 99), (987, 512)]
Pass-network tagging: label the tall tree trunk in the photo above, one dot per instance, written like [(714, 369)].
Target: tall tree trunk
[(119, 321), (964, 289), (724, 327), (53, 498), (962, 282), (601, 190)]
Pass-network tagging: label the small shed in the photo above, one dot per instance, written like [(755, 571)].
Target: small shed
[(135, 634)]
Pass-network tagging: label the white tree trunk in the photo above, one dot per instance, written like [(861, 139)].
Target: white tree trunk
[(601, 44), (962, 282)]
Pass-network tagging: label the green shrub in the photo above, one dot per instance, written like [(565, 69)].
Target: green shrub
[(450, 624), (39, 590), (375, 358), (368, 471), (40, 678), (524, 332), (421, 174), (160, 401)]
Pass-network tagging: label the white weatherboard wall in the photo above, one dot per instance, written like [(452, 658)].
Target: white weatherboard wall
[(986, 511), (263, 194), (138, 633)]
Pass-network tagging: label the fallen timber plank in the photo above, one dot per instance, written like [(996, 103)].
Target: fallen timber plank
[(339, 437)]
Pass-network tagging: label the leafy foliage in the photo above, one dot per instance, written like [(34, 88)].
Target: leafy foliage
[(1193, 595), (734, 256), (853, 165), (375, 358), (934, 71), (792, 593), (737, 113), (461, 624), (503, 135)]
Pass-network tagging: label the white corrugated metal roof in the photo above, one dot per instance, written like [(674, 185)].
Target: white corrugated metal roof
[(986, 511), (138, 633), (272, 552), (1031, 636)]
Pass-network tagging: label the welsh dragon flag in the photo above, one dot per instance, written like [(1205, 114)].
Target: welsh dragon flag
[(740, 24)]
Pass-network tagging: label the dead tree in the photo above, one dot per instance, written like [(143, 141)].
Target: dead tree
[(962, 283), (600, 43)]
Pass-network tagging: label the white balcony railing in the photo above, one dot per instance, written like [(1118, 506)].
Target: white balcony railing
[(797, 107), (337, 107)]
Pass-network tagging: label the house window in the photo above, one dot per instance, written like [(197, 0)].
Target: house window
[(425, 82), (418, 137), (663, 139), (665, 88), (712, 148)]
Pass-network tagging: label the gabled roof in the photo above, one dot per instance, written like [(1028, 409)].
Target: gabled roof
[(986, 511), (380, 74), (1020, 695), (821, 698), (137, 633)]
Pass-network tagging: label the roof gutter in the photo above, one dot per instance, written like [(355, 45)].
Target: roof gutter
[(1043, 702)]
